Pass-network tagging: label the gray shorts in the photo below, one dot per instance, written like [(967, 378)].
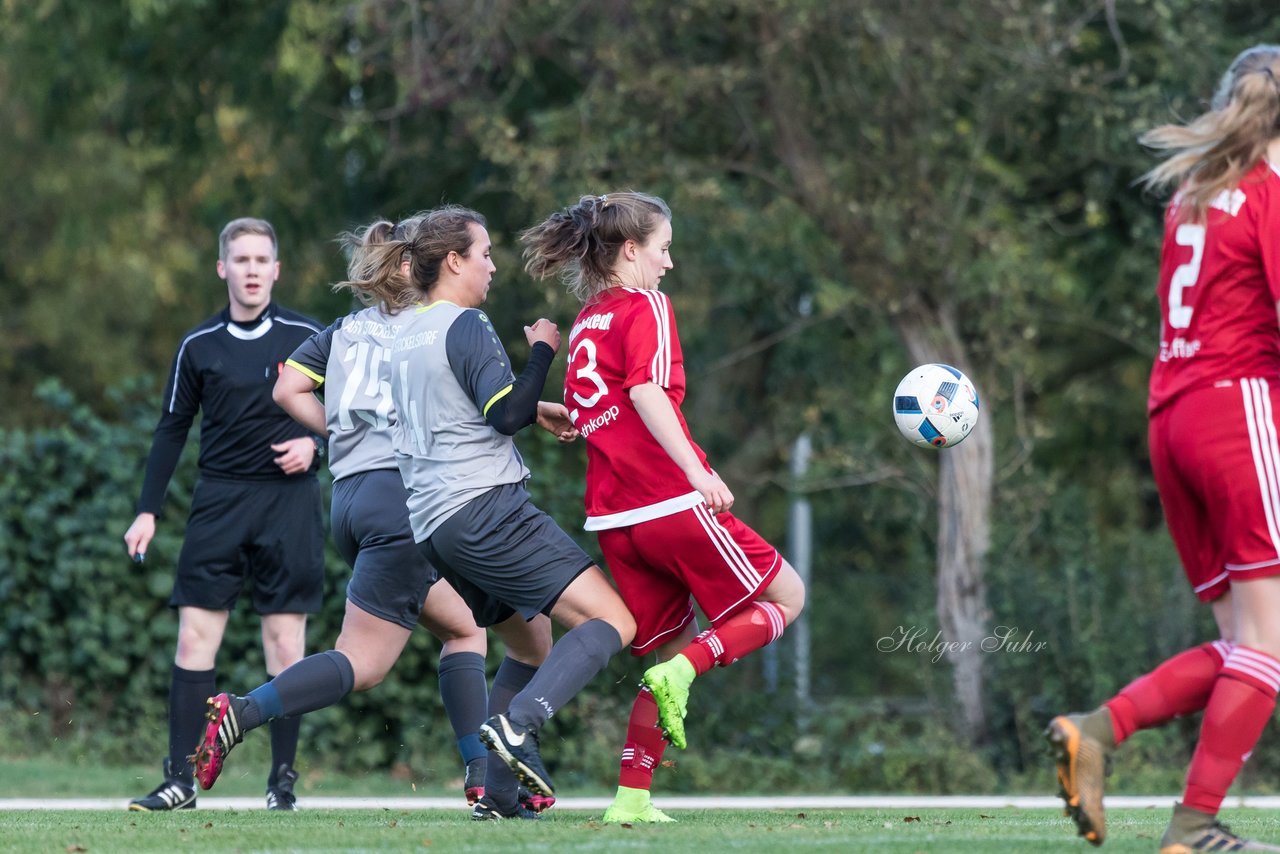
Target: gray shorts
[(389, 575), (503, 555)]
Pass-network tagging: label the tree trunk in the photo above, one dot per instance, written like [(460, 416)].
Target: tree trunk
[(965, 483)]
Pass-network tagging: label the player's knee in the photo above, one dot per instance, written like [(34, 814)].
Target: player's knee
[(367, 677), (623, 623)]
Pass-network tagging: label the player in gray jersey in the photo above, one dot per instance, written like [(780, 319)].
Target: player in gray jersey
[(349, 363), (459, 404)]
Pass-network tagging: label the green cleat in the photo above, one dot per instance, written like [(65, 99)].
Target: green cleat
[(648, 814), (669, 682), (632, 806)]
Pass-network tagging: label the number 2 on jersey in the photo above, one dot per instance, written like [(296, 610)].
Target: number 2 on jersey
[(1185, 275)]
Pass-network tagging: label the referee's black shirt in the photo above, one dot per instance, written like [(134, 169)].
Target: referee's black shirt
[(227, 370)]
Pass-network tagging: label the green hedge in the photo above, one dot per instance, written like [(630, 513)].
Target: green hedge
[(87, 638)]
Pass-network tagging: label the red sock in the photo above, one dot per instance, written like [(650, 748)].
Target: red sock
[(758, 625), (1179, 686), (645, 744), (1244, 696)]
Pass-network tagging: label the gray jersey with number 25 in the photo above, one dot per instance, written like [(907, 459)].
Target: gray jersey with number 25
[(351, 361)]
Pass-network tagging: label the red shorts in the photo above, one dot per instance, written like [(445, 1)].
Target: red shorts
[(1216, 460), (658, 565)]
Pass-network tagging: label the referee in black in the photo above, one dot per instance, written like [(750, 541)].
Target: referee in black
[(256, 509)]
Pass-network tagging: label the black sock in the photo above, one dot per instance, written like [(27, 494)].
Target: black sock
[(499, 783), (189, 693), (574, 661), (464, 693), (284, 746)]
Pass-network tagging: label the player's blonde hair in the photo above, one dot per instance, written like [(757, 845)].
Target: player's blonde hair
[(379, 250), (1214, 151), (581, 242)]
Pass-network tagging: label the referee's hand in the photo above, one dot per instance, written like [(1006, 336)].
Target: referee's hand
[(139, 535), (295, 455)]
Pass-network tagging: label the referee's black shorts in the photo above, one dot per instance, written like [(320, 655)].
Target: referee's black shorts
[(269, 532)]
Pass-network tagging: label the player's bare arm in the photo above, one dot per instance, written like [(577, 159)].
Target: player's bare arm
[(655, 410), (294, 393), (554, 418)]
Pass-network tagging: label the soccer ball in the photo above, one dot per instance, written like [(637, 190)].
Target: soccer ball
[(935, 406)]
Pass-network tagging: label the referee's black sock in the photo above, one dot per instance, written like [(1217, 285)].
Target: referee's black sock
[(189, 691), (574, 660)]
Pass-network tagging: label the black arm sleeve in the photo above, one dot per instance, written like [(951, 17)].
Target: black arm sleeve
[(182, 396), (519, 408), (166, 448)]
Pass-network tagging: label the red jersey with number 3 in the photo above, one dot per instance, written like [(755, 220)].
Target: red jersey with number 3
[(623, 338), (1219, 283)]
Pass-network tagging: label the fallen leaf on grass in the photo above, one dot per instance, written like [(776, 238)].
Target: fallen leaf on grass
[(801, 815), (980, 815), (76, 847), (208, 824), (910, 818), (393, 823)]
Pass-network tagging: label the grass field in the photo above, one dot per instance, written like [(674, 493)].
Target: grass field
[(776, 831), (767, 832)]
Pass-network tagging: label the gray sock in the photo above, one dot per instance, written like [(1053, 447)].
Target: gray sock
[(316, 682), (464, 693), (574, 661), (499, 783)]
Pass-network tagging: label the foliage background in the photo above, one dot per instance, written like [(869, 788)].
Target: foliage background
[(976, 159)]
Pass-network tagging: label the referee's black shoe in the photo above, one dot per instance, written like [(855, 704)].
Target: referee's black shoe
[(280, 795), (172, 794), (518, 747)]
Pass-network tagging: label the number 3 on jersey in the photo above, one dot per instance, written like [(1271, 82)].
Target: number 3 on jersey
[(588, 372), (1185, 275)]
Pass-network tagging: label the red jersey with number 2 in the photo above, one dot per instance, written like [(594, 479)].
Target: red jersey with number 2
[(623, 338), (1219, 283)]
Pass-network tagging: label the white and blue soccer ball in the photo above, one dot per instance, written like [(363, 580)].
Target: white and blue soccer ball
[(936, 406)]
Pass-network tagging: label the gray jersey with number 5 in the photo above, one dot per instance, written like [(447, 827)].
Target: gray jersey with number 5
[(447, 368), (351, 362)]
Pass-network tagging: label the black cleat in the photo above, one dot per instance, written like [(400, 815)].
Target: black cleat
[(518, 747), (486, 809), (280, 796), (173, 794)]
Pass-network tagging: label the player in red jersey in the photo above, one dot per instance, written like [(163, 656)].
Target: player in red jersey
[(1214, 453), (660, 512)]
